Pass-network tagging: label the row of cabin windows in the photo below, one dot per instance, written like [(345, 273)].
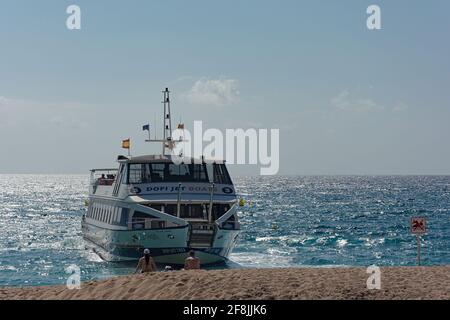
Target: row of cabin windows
[(105, 213), (142, 220), (170, 172), (193, 211)]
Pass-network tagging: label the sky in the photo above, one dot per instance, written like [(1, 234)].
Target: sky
[(347, 100)]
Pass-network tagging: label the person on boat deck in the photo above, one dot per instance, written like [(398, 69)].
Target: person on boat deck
[(191, 262), (146, 263)]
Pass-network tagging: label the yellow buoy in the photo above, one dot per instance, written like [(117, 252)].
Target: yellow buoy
[(241, 202), (274, 226)]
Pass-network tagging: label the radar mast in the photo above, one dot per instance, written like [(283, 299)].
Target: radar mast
[(167, 141)]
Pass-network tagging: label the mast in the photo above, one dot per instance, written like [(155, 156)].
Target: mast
[(167, 141), (167, 122)]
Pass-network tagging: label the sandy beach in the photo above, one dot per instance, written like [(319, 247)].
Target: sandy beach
[(241, 284)]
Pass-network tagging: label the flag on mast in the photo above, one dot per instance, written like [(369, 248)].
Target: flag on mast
[(147, 128), (126, 144)]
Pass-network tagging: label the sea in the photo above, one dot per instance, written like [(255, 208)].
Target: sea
[(287, 221)]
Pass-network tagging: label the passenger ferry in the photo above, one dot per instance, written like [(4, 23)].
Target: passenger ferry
[(167, 206)]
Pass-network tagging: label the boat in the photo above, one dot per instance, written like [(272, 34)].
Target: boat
[(164, 202)]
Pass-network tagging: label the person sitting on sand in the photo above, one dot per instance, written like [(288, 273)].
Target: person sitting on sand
[(146, 263), (191, 262)]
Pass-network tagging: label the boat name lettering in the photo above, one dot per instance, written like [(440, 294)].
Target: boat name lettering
[(204, 189)]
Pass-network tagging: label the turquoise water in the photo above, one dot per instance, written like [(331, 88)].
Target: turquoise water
[(287, 221)]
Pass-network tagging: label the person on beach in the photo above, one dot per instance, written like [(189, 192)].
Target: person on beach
[(192, 262), (146, 263)]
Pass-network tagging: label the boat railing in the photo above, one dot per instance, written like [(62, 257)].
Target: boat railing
[(103, 177)]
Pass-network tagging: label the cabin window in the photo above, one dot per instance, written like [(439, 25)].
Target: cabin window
[(142, 220), (170, 209), (178, 173), (157, 207), (197, 211), (221, 175), (218, 210), (187, 211), (135, 174), (122, 174), (193, 211), (142, 215), (167, 172), (200, 173), (157, 171), (123, 216)]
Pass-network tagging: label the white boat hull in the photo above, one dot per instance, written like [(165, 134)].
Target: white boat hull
[(167, 246)]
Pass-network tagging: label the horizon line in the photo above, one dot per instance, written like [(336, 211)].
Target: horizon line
[(277, 175)]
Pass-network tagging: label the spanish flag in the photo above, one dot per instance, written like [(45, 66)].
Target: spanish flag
[(126, 144)]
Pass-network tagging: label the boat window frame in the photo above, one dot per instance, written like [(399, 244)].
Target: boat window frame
[(198, 173), (221, 174)]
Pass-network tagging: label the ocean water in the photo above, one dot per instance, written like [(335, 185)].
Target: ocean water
[(286, 221)]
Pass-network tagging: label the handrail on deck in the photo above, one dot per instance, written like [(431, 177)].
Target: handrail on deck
[(95, 170)]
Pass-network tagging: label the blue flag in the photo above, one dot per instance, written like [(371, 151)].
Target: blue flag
[(146, 127)]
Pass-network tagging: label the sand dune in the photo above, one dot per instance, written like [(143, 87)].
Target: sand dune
[(294, 283)]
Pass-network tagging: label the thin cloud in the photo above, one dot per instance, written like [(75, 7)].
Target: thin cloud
[(3, 101), (21, 112), (213, 92), (400, 107), (344, 102)]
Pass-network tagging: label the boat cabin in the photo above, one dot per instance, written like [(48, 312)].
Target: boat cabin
[(185, 191)]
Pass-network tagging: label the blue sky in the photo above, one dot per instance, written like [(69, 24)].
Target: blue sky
[(346, 100)]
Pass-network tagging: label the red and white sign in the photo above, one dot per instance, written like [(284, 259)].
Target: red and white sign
[(418, 225)]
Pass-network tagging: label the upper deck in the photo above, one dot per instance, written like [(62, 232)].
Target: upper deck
[(163, 177)]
